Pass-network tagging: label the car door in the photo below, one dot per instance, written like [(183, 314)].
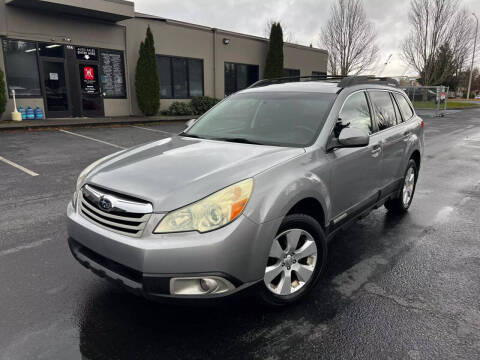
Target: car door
[(393, 134), (355, 171)]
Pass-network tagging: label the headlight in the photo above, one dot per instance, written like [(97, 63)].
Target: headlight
[(210, 213), (86, 171)]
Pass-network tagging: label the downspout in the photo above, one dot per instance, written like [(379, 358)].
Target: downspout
[(214, 32)]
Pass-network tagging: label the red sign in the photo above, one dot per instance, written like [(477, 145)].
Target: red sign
[(88, 73)]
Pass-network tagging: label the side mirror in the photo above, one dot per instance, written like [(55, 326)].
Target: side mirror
[(190, 122), (353, 137)]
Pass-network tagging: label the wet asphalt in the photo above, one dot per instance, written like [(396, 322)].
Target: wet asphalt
[(397, 287)]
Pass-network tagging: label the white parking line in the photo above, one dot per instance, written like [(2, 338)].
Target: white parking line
[(149, 129), (20, 167), (93, 139), (24, 247)]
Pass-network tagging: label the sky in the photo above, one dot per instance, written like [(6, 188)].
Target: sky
[(303, 18)]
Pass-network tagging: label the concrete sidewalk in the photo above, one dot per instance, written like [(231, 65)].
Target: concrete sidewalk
[(78, 122)]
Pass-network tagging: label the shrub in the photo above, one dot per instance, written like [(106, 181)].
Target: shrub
[(472, 95), (180, 108), (147, 85), (201, 104), (3, 94)]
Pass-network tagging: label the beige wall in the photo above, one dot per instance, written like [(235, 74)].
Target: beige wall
[(305, 59), (186, 40), (37, 25), (239, 50), (3, 19), (169, 40), (116, 107)]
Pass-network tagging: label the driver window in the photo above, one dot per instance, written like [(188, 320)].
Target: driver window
[(355, 113)]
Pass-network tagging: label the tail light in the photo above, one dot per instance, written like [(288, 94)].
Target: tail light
[(421, 124)]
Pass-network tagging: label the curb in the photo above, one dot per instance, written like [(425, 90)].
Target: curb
[(72, 123)]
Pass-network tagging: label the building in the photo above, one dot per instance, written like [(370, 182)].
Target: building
[(77, 57)]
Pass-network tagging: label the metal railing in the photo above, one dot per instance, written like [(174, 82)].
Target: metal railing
[(428, 99)]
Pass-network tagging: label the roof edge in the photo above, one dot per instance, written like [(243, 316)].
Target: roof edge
[(227, 32)]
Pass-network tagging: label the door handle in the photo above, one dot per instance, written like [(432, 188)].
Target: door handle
[(376, 150)]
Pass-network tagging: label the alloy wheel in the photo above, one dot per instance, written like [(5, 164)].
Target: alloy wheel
[(291, 262), (408, 187)]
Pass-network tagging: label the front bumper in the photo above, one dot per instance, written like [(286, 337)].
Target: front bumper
[(145, 265)]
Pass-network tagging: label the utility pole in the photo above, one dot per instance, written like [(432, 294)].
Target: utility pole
[(473, 58)]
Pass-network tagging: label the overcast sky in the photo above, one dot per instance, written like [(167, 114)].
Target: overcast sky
[(303, 18)]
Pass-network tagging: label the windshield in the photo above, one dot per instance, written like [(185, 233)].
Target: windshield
[(284, 119)]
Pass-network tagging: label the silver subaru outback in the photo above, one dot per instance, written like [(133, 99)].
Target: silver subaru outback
[(251, 192)]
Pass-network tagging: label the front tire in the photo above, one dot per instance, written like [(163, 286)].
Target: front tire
[(296, 260), (401, 203)]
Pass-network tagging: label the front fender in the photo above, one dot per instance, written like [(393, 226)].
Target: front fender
[(278, 189)]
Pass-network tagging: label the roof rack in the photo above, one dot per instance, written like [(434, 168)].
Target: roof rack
[(367, 79), (343, 81), (288, 79)]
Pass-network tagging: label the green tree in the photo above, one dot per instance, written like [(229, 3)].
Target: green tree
[(274, 63), (445, 67), (3, 94), (147, 85)]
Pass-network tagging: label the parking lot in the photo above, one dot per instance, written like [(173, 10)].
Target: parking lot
[(396, 287)]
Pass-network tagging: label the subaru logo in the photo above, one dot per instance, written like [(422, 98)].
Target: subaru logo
[(105, 204)]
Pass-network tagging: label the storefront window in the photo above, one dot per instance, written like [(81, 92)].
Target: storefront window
[(112, 69), (21, 67), (291, 72), (239, 76), (180, 78), (50, 50), (195, 76)]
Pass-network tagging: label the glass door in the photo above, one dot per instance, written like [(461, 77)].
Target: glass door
[(55, 88), (91, 93)]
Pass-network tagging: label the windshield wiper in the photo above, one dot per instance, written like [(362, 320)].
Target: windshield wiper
[(238, 140)]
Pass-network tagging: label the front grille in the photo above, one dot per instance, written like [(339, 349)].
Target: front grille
[(125, 216)]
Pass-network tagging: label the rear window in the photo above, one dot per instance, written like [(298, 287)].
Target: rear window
[(384, 110), (284, 119), (404, 106)]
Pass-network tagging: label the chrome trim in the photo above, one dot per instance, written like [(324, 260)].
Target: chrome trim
[(339, 218), (123, 221), (115, 217), (119, 204)]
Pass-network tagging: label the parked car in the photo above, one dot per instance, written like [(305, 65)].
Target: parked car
[(249, 195)]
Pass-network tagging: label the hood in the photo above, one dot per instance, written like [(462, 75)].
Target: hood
[(177, 171)]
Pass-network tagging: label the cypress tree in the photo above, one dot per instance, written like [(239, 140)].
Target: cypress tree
[(147, 85), (274, 63), (3, 94)]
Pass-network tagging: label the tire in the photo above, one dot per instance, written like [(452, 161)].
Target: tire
[(298, 272), (398, 204)]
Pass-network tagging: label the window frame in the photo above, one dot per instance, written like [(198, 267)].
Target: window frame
[(370, 109), (187, 73), (408, 103), (372, 104), (236, 79), (398, 115), (6, 69)]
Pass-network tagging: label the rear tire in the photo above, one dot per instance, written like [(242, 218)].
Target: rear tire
[(296, 260), (401, 203)]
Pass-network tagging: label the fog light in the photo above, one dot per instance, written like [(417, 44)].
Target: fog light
[(208, 285), (200, 286)]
